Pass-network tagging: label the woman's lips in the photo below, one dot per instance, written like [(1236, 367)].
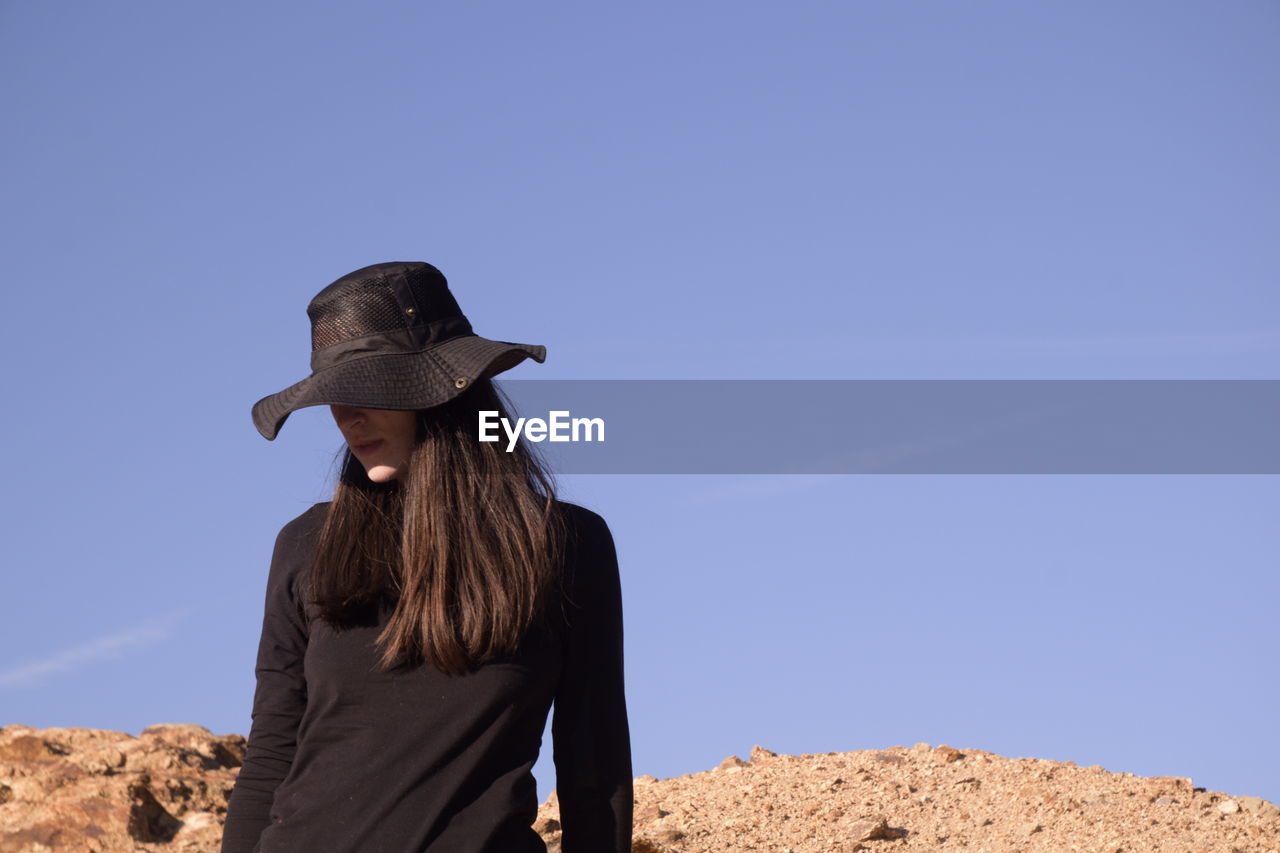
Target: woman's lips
[(366, 448)]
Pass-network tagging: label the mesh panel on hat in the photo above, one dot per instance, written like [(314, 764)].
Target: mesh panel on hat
[(354, 309)]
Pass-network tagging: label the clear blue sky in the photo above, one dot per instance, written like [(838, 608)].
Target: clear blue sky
[(710, 190)]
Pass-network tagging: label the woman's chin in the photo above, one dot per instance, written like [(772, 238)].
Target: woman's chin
[(381, 473)]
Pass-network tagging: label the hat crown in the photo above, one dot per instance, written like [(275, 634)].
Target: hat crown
[(390, 297)]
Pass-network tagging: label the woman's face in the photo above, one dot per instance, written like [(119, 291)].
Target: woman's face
[(381, 439)]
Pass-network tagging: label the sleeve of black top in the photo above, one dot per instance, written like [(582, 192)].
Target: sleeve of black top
[(278, 701), (590, 735)]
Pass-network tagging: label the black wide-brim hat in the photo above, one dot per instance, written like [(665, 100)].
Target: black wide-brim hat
[(390, 336)]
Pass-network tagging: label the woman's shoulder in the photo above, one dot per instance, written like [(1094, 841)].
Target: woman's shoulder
[(305, 523), (578, 512), (312, 514), (581, 521), (589, 541)]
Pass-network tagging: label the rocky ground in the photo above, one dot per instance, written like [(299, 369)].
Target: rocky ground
[(97, 791)]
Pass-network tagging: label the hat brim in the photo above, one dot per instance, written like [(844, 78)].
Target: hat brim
[(411, 380)]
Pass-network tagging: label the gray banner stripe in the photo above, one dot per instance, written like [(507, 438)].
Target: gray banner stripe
[(853, 426)]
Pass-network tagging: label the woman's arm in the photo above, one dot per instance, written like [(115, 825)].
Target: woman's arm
[(590, 735), (279, 700)]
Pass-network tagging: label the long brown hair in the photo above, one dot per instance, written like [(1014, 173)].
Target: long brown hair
[(467, 546)]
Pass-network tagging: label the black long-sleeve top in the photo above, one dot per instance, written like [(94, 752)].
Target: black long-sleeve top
[(342, 758)]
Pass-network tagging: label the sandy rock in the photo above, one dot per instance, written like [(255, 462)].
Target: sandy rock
[(1259, 806), (979, 802), (98, 791), (873, 830)]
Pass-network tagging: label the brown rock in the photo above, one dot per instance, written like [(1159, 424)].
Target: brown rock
[(1177, 783), (546, 825), (1260, 807), (650, 812), (874, 829), (643, 844), (72, 789), (27, 748), (165, 791)]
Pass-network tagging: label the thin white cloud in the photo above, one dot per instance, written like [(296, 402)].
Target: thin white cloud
[(107, 646)]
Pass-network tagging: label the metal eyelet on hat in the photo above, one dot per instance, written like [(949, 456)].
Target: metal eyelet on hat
[(410, 311), (460, 382)]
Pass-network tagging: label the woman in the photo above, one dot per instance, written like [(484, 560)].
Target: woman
[(419, 626)]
